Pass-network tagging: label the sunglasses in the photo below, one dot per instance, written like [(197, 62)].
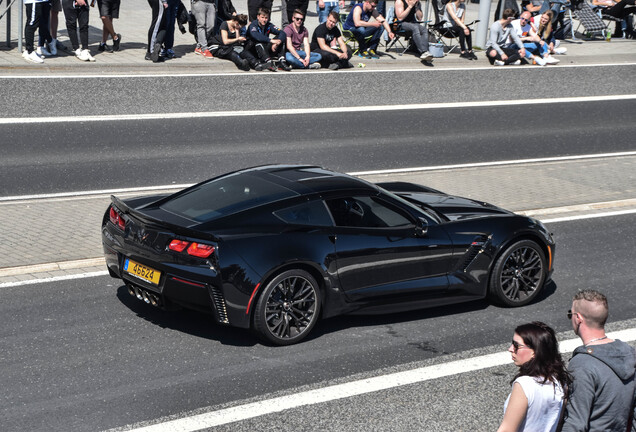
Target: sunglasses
[(299, 19), (570, 313), (516, 345)]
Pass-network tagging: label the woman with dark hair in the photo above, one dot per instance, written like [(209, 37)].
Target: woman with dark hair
[(537, 392), (228, 44)]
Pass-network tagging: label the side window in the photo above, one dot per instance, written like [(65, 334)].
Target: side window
[(365, 212), (308, 213)]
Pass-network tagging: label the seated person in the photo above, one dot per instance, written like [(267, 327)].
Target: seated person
[(536, 49), (498, 50), (454, 14), (358, 22), (410, 12), (299, 55), (545, 31), (327, 41), (223, 44), (268, 53), (620, 10)]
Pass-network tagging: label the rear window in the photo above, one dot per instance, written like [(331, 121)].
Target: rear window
[(225, 196)]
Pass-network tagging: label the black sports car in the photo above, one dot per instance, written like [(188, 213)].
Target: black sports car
[(274, 248)]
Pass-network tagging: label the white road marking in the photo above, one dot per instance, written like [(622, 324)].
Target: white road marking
[(358, 173), (354, 388), (297, 111), (589, 216), (165, 74), (54, 279)]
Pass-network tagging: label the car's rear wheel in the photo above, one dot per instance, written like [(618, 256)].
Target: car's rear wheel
[(288, 308), (518, 274)]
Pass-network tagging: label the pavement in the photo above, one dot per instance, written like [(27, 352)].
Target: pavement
[(53, 237), (135, 18)]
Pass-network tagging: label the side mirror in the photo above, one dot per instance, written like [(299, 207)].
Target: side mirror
[(421, 227)]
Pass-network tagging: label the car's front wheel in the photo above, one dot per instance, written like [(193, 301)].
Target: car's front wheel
[(518, 274), (288, 308)]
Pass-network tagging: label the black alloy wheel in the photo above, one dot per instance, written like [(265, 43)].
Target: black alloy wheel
[(288, 308), (518, 274)]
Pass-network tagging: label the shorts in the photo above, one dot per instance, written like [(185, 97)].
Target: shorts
[(109, 8), (56, 5)]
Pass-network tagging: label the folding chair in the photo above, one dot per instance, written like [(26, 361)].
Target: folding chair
[(347, 35), (588, 19), (398, 31), (440, 32)]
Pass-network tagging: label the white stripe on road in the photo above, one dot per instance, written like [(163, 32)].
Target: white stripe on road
[(358, 173), (167, 74), (296, 111), (589, 216), (355, 388), (53, 279)]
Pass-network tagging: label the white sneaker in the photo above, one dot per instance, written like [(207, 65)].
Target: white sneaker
[(33, 57), (516, 63), (84, 55), (560, 50), (539, 61), (551, 60), (314, 66), (43, 52), (53, 47), (426, 56), (499, 63)]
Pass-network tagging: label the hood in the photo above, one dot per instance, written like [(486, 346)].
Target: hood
[(454, 207), (617, 355)]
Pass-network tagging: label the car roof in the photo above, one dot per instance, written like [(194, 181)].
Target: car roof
[(308, 179)]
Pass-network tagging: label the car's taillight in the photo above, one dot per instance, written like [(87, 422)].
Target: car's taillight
[(178, 245), (116, 218), (199, 250)]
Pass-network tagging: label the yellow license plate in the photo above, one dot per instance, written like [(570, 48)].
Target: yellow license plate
[(141, 271)]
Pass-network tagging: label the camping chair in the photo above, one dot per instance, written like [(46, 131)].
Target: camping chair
[(398, 31), (440, 32), (588, 19), (347, 35)]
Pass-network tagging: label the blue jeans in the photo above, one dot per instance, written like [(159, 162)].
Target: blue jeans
[(532, 48), (324, 13), (297, 64), (361, 33)]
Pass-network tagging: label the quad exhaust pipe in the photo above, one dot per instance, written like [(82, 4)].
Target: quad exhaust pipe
[(144, 295)]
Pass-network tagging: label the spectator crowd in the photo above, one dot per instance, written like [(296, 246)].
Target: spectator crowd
[(526, 34)]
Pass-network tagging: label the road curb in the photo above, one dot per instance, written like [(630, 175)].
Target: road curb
[(48, 267)]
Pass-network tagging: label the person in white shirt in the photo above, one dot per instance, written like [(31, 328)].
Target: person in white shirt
[(536, 398)]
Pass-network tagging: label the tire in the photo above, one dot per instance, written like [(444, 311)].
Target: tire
[(518, 274), (288, 308)]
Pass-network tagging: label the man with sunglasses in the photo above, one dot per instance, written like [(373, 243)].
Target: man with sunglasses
[(603, 391), (298, 54), (366, 31), (536, 49)]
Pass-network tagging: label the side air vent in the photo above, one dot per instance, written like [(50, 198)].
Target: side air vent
[(476, 247), (219, 304)]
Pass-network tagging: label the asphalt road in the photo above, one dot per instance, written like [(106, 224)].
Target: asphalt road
[(119, 154), (83, 355)]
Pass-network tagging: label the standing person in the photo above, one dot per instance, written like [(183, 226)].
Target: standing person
[(205, 13), (157, 30), (324, 7), (76, 14), (254, 5), (602, 394), (359, 23), (171, 18), (108, 11), (292, 5), (498, 50), (454, 15), (537, 392), (35, 19), (299, 54), (410, 12), (56, 8), (333, 57)]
